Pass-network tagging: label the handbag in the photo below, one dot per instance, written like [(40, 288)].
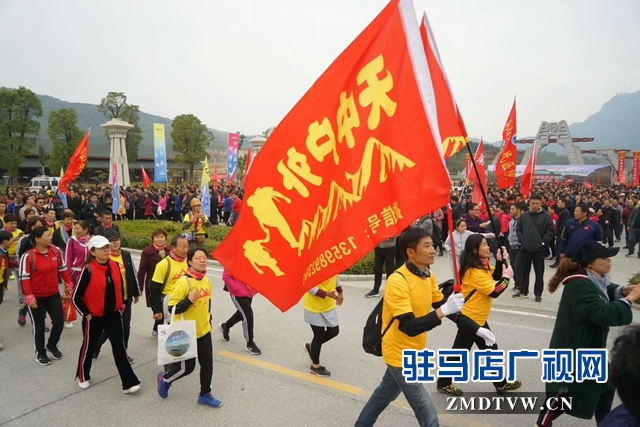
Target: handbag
[(177, 340), (69, 311)]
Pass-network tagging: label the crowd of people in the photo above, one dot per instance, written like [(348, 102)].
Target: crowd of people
[(70, 262)]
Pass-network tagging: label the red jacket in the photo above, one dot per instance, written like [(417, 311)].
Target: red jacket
[(90, 293), (237, 205), (39, 276)]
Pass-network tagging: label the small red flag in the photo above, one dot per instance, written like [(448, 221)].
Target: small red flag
[(247, 166), (145, 178), (77, 162), (480, 178), (506, 166), (527, 179), (214, 177)]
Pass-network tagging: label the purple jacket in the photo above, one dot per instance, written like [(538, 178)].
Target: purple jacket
[(236, 287), (76, 255)]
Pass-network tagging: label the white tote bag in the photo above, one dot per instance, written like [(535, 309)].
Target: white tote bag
[(177, 340)]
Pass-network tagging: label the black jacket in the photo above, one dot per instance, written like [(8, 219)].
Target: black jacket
[(75, 205), (100, 229), (535, 230), (89, 210), (133, 290), (563, 217)]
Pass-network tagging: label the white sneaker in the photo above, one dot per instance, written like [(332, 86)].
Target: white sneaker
[(83, 384), (68, 325), (132, 389)]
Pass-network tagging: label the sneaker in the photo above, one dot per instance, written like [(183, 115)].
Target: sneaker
[(625, 247), (307, 347), (12, 277), (509, 387), (320, 371), (130, 359), (253, 349), (520, 296), (163, 387), (96, 354), (629, 255), (372, 294), (209, 400), (514, 289), (132, 389), (554, 265), (43, 360), (68, 325), (451, 390), (154, 335), (55, 353), (538, 299), (22, 320), (225, 331), (83, 384)]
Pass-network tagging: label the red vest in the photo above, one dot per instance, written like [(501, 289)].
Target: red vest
[(95, 293)]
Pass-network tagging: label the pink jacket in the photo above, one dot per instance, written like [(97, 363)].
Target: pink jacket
[(236, 287), (76, 255)]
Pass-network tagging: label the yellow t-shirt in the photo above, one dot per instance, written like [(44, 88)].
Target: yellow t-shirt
[(123, 271), (177, 270), (200, 223), (13, 249), (199, 310), (479, 305), (321, 305), (402, 295)]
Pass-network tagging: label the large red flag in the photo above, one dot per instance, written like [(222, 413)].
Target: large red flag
[(526, 185), (145, 178), (332, 180), (77, 162), (480, 178), (506, 166), (450, 124)]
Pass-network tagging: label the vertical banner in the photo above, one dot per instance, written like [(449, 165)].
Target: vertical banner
[(115, 205), (232, 158), (622, 155), (159, 154), (636, 167), (468, 165)]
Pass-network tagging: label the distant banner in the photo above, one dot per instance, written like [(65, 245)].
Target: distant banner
[(159, 154), (579, 173), (232, 158)]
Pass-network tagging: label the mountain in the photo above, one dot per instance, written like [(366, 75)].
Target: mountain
[(89, 116)]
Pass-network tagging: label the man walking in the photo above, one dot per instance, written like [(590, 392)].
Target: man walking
[(563, 217), (515, 245)]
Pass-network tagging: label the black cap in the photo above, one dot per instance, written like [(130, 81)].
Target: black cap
[(111, 234), (591, 250)]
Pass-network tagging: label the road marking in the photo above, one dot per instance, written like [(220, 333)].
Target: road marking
[(524, 313)]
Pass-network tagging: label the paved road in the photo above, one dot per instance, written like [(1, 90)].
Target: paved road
[(271, 390)]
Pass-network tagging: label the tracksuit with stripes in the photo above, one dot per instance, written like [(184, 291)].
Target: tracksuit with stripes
[(242, 296)]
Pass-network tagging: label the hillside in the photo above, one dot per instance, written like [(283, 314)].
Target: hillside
[(89, 116)]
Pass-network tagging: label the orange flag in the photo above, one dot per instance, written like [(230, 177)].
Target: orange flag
[(333, 180), (77, 162), (450, 124), (145, 178), (479, 178), (506, 166), (527, 178)]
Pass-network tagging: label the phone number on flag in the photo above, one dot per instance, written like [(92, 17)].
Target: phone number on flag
[(330, 256)]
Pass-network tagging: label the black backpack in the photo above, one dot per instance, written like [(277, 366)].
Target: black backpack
[(373, 334)]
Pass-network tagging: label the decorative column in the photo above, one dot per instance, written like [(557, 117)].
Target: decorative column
[(622, 155), (118, 129), (636, 167)]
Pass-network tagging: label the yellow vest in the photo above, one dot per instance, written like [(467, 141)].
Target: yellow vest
[(321, 305)]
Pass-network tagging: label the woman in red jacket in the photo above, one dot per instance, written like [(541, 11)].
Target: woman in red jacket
[(41, 269), (242, 296), (99, 298)]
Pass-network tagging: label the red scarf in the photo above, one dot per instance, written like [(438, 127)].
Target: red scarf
[(176, 258), (485, 262), (159, 248), (84, 239), (196, 275)]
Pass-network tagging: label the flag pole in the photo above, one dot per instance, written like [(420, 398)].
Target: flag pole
[(486, 201)]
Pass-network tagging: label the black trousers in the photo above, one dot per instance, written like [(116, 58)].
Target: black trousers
[(537, 259), (386, 257), (547, 416), (53, 306), (126, 324), (320, 336), (186, 367), (607, 233), (516, 262), (465, 340), (91, 330), (244, 314), (225, 217)]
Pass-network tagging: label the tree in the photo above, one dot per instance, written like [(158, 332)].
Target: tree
[(115, 105), (18, 127), (267, 133), (190, 139), (65, 135), (242, 161), (43, 158), (241, 138)]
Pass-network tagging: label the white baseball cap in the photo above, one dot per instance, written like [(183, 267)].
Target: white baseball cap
[(98, 242)]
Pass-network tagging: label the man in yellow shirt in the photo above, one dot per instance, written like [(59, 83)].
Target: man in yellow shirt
[(410, 294), (195, 224), (165, 276)]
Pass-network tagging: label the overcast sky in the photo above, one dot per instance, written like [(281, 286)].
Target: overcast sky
[(242, 65)]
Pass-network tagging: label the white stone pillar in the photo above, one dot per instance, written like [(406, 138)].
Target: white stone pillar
[(118, 134)]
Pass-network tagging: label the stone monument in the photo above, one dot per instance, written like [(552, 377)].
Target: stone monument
[(118, 129)]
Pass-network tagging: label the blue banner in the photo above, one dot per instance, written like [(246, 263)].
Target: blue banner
[(159, 154), (232, 159)]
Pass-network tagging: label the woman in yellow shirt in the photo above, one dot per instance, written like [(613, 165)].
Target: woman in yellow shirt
[(191, 297), (484, 283), (320, 312)]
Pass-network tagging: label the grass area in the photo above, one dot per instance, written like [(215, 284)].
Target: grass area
[(137, 235)]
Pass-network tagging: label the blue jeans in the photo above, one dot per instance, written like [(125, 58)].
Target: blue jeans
[(389, 389)]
